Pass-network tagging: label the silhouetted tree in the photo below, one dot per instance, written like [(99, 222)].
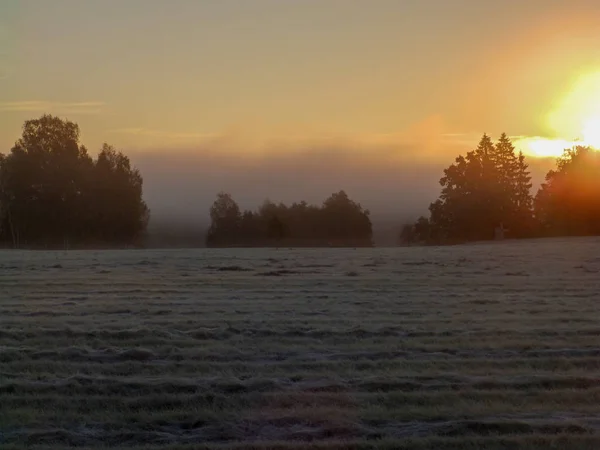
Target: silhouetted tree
[(506, 168), (339, 221), (345, 220), (116, 190), (523, 224), (5, 219), (464, 209), (486, 188), (276, 229), (423, 229), (407, 234), (568, 203), (226, 219), (250, 227), (50, 190)]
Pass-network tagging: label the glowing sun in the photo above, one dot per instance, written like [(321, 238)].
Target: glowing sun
[(576, 118), (591, 132)]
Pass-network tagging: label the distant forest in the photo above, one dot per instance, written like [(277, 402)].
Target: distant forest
[(53, 194), (338, 222)]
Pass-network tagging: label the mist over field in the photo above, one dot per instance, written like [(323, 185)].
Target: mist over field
[(180, 184)]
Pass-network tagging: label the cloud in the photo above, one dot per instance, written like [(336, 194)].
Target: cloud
[(146, 132), (395, 175), (52, 107)]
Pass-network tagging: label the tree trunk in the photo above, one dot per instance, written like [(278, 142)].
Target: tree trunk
[(13, 233)]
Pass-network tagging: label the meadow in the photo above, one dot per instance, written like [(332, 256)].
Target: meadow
[(487, 346)]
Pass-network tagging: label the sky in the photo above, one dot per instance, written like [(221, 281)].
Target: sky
[(293, 99)]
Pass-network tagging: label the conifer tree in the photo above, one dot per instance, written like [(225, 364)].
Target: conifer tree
[(481, 191), (506, 165), (523, 200)]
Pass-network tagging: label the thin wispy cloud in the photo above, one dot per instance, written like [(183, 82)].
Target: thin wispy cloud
[(52, 107), (454, 134), (162, 134)]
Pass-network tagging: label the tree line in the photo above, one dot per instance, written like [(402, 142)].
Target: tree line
[(339, 222), (54, 194), (486, 194)]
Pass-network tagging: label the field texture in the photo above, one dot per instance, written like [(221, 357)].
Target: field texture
[(490, 346)]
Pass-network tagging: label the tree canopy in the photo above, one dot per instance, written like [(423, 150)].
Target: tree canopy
[(53, 193), (568, 203), (489, 189), (339, 221), (486, 189)]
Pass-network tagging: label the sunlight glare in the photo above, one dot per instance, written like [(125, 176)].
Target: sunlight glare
[(591, 132), (578, 113), (576, 119), (542, 147)]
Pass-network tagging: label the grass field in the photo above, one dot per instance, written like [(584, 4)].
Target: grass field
[(491, 346)]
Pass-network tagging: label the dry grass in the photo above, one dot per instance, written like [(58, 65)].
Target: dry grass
[(488, 346)]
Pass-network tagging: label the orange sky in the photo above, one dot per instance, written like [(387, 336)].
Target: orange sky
[(154, 73), (380, 82)]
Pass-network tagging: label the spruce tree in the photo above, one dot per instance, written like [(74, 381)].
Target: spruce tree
[(486, 213), (523, 200), (482, 190), (506, 164)]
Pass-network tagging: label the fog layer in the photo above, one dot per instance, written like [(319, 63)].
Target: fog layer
[(395, 177)]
